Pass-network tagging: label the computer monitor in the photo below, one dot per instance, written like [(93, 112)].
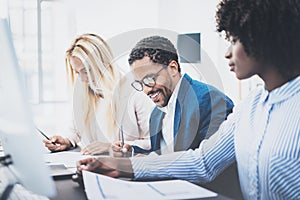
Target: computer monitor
[(17, 133)]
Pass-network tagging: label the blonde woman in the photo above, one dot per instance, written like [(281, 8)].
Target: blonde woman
[(103, 101)]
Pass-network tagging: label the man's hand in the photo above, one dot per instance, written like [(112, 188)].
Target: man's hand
[(117, 146), (61, 143)]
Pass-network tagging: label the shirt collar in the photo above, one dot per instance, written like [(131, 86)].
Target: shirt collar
[(282, 93), (172, 101)]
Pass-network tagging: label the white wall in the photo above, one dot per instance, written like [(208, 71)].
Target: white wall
[(111, 18)]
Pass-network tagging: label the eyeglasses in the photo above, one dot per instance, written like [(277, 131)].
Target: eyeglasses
[(148, 81)]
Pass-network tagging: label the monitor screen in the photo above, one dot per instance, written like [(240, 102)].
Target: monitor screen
[(17, 133)]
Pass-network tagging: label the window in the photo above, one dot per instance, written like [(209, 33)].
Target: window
[(40, 43)]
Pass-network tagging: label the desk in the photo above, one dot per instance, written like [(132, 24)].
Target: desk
[(67, 189)]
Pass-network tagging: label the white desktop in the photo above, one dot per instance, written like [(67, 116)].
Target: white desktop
[(24, 161)]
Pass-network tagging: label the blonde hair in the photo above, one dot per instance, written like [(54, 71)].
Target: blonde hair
[(96, 57)]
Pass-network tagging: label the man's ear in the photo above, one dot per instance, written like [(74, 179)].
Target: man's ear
[(173, 67)]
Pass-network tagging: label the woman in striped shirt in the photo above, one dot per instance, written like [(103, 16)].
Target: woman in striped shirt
[(263, 133)]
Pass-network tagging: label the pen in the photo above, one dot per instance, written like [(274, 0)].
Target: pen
[(122, 136), (45, 136)]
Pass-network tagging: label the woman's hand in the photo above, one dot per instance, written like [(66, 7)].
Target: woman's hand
[(96, 148), (61, 143)]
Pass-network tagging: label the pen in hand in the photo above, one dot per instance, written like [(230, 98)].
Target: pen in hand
[(122, 136), (122, 140), (43, 134)]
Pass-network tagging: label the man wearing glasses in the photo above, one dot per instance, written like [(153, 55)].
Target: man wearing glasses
[(187, 110)]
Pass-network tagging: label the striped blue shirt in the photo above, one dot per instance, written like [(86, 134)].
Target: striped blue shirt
[(262, 135)]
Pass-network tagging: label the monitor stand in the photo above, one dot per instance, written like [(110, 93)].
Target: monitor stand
[(8, 180)]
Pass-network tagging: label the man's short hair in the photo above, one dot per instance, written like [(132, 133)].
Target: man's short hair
[(159, 49)]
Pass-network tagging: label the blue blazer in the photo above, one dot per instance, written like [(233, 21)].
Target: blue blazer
[(200, 109)]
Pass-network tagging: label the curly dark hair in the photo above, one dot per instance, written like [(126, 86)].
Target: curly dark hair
[(159, 49), (268, 29)]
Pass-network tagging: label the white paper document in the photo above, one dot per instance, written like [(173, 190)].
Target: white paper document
[(68, 158), (102, 187)]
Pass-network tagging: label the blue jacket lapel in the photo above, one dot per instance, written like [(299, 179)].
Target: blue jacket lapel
[(156, 128), (183, 89)]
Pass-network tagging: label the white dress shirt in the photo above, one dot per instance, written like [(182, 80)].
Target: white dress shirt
[(167, 143)]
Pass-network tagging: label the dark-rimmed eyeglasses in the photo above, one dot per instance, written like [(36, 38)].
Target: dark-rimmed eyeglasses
[(149, 81)]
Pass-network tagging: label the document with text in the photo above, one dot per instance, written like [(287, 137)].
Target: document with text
[(102, 187)]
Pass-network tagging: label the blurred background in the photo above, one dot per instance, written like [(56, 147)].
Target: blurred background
[(44, 29)]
